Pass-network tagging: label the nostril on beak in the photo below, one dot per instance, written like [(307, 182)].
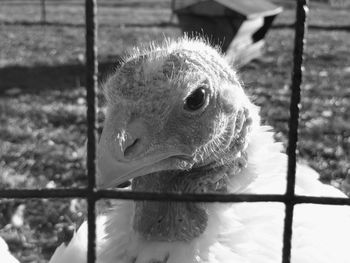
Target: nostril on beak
[(133, 149)]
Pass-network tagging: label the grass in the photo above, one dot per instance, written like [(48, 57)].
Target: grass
[(42, 102), (324, 123)]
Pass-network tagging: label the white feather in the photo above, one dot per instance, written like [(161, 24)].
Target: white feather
[(240, 232), (5, 254), (76, 251)]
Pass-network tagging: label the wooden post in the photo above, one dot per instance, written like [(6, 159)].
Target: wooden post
[(43, 11)]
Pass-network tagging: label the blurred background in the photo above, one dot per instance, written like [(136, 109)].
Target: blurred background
[(43, 108)]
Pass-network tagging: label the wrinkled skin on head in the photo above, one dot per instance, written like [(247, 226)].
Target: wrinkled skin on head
[(154, 136)]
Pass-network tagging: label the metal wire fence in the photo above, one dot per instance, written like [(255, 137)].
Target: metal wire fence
[(92, 195)]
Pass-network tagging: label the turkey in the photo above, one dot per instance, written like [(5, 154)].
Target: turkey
[(178, 120)]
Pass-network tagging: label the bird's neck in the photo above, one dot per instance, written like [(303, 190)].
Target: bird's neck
[(179, 221)]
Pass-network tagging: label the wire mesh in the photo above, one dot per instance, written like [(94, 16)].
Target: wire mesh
[(299, 40), (91, 99), (92, 195), (164, 197)]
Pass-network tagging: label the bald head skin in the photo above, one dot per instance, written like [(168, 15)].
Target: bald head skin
[(177, 121)]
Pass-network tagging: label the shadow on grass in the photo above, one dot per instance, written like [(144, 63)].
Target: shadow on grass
[(31, 79), (101, 3), (79, 25)]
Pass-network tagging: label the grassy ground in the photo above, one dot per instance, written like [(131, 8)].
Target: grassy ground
[(42, 102)]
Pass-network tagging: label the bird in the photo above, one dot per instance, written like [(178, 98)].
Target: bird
[(178, 120)]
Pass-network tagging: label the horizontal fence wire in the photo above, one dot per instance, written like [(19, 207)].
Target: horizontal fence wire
[(176, 197), (299, 41), (91, 98)]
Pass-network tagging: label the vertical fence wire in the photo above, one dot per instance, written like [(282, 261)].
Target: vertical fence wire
[(91, 98), (299, 41)]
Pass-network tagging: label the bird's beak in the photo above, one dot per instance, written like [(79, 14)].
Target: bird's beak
[(124, 152), (112, 172)]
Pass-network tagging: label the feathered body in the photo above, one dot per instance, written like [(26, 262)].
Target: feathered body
[(235, 155), (240, 232)]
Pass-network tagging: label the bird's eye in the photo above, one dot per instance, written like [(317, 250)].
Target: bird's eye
[(196, 99)]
